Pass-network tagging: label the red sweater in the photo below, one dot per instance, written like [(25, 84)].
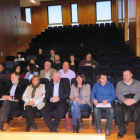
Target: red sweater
[(22, 75)]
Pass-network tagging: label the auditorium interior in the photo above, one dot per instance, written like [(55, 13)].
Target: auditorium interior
[(108, 29)]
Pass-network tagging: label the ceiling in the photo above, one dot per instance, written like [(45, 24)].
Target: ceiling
[(29, 3)]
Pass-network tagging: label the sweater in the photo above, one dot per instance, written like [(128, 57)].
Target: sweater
[(91, 62), (123, 89), (100, 93)]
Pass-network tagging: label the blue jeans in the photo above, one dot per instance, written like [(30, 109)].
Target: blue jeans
[(110, 117), (76, 110)]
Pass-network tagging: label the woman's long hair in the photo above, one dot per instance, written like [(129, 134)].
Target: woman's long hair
[(15, 67), (32, 68), (82, 76)]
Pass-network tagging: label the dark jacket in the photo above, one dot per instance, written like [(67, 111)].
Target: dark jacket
[(18, 92), (64, 90), (4, 74)]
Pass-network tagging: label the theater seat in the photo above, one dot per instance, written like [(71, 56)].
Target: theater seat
[(15, 113), (88, 71)]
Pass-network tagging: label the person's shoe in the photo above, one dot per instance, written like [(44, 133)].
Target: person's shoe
[(99, 131), (75, 129), (80, 123), (107, 134), (34, 127), (121, 134), (5, 126), (54, 129), (138, 136)]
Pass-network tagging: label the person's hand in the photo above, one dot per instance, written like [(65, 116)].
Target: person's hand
[(131, 101), (78, 100), (6, 97), (95, 102), (86, 64), (55, 99), (93, 66), (31, 103), (127, 102), (104, 102)]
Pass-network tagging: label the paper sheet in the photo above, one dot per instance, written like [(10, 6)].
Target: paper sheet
[(103, 106), (9, 100)]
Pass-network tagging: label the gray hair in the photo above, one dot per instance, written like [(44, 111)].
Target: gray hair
[(57, 72), (48, 62)]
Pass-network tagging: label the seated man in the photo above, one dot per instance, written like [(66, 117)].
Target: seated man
[(57, 65), (47, 72), (103, 92), (88, 61), (4, 74), (66, 72), (128, 86), (14, 91), (52, 55), (57, 93)]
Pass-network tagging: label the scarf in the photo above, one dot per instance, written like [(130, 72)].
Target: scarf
[(34, 89)]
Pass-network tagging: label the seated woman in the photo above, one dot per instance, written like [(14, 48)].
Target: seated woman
[(73, 64), (32, 72), (80, 100), (33, 98), (57, 64), (40, 51), (32, 61), (17, 69), (19, 58)]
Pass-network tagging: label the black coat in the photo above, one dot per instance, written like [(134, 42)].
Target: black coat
[(18, 92), (64, 90)]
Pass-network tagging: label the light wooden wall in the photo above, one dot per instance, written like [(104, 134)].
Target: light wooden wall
[(86, 13), (13, 31), (132, 17)]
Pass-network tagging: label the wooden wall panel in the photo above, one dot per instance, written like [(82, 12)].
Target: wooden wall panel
[(12, 31), (132, 24), (24, 33), (86, 13)]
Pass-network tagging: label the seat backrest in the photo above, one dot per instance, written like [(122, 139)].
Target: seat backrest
[(87, 70), (9, 58), (103, 69), (73, 80), (44, 81), (8, 64), (26, 81), (28, 57), (4, 83), (66, 80)]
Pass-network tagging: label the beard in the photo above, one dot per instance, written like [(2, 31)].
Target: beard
[(14, 82)]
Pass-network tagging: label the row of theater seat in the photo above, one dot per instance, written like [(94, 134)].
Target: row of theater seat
[(115, 70)]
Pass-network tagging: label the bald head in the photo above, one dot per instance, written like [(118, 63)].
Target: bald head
[(47, 65)]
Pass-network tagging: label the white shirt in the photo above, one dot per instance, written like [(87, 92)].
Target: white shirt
[(20, 59), (13, 89), (47, 75), (56, 89), (30, 77), (129, 83)]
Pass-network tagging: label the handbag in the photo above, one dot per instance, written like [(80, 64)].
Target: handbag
[(68, 122)]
